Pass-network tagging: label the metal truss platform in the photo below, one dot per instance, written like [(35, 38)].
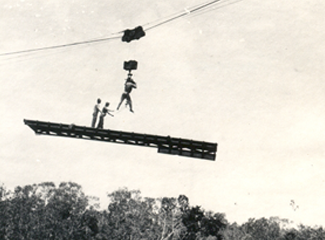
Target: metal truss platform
[(165, 144)]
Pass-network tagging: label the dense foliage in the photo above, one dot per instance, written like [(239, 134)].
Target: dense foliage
[(45, 211)]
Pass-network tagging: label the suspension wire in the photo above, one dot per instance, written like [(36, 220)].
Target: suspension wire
[(187, 12), (201, 8), (22, 57), (150, 24), (59, 46), (218, 6), (165, 17)]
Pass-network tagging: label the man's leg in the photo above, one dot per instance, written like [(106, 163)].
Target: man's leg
[(94, 121), (122, 98), (101, 122), (130, 102)]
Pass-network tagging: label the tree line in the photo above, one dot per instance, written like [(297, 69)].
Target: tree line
[(46, 211)]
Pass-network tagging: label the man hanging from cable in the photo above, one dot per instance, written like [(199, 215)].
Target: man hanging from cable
[(128, 86)]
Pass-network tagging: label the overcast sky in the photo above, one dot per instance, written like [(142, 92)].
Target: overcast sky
[(247, 75)]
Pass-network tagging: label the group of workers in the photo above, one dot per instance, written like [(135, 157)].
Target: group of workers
[(128, 86)]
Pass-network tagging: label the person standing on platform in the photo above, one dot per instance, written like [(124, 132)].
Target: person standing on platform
[(95, 113), (103, 114)]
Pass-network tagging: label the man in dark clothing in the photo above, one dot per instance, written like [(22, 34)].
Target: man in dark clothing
[(128, 86), (103, 114), (95, 113)]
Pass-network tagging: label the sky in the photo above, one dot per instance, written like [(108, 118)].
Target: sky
[(247, 75)]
